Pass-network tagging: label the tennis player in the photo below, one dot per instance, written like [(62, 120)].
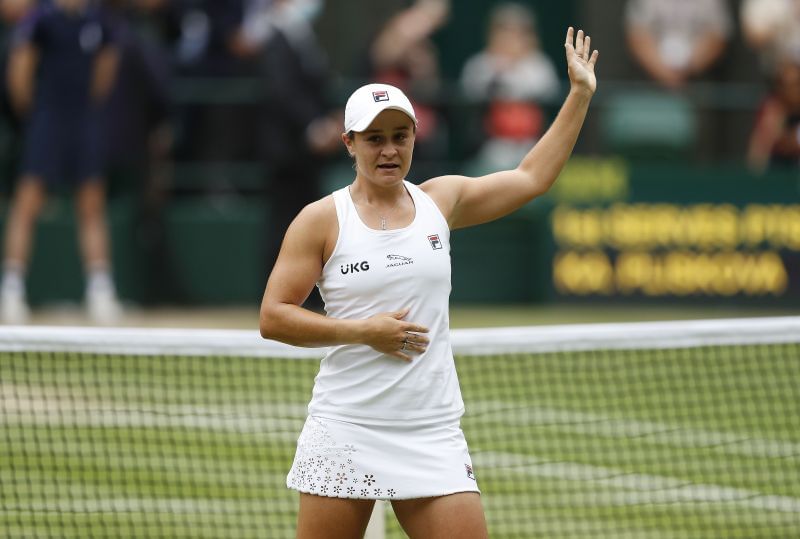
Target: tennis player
[(384, 417)]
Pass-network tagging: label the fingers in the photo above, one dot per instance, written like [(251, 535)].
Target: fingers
[(393, 336), (410, 326), (415, 340), (400, 355), (408, 344), (399, 315), (576, 43), (581, 45)]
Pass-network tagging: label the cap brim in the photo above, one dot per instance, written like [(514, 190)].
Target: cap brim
[(367, 120)]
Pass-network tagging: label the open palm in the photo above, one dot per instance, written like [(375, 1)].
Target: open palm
[(581, 60)]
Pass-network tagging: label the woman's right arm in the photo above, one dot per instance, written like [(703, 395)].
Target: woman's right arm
[(294, 275)]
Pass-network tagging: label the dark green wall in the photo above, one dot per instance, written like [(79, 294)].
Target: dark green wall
[(345, 28)]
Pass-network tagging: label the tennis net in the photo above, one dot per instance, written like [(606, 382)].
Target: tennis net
[(662, 430)]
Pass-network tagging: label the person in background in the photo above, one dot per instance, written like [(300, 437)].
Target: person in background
[(11, 13), (772, 28), (61, 67), (137, 122), (298, 129), (775, 139), (511, 76), (208, 45), (402, 53), (677, 41)]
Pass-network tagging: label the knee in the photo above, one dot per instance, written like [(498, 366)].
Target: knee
[(90, 202), (28, 200)]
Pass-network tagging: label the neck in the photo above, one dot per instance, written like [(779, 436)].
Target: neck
[(384, 206), (377, 195)]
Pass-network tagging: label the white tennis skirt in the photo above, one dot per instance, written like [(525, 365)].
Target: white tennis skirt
[(347, 460)]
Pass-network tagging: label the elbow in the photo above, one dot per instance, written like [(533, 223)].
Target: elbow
[(267, 325), (264, 330), (274, 325)]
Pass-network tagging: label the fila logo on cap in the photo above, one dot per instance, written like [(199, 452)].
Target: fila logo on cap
[(380, 95)]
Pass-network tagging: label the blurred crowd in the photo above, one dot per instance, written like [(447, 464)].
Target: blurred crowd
[(102, 94)]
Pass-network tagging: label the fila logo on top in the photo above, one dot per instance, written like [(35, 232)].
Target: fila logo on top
[(380, 95), (436, 243)]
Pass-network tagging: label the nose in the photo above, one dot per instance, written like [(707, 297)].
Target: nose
[(389, 149)]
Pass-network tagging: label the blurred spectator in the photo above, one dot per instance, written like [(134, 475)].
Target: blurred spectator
[(137, 133), (11, 12), (136, 114), (297, 128), (772, 27), (61, 68), (678, 40), (775, 140), (209, 45), (403, 54), (511, 76)]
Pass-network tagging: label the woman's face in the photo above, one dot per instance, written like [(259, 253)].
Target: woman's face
[(383, 151)]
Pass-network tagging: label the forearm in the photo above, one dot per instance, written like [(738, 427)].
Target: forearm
[(645, 50), (20, 77), (544, 162), (105, 72), (706, 53), (295, 325)]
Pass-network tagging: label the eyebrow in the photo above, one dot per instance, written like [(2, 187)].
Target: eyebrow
[(399, 128)]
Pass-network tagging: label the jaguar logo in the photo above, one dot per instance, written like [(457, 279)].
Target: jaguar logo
[(398, 260)]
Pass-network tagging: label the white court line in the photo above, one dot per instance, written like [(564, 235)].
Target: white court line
[(218, 506), (27, 406), (190, 469), (588, 423), (634, 489)]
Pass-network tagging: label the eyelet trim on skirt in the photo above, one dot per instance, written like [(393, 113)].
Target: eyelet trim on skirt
[(346, 460)]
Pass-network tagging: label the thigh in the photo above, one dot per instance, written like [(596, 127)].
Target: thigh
[(443, 517), (321, 517), (42, 154)]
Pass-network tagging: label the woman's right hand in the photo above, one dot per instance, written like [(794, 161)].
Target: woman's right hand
[(390, 334)]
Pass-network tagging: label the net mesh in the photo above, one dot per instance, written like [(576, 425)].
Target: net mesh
[(644, 430)]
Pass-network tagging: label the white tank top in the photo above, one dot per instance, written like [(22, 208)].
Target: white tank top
[(374, 271)]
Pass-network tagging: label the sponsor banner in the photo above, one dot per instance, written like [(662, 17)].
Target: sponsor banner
[(675, 232)]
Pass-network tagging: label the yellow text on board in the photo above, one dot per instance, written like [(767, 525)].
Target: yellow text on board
[(673, 250)]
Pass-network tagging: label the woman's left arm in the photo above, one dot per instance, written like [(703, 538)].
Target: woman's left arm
[(471, 201)]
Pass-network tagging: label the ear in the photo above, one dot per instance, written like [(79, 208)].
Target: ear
[(348, 142)]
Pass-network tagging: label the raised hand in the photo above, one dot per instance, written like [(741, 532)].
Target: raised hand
[(581, 60)]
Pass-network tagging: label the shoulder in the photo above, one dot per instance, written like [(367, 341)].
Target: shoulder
[(316, 226), (318, 214), (32, 23), (445, 191)]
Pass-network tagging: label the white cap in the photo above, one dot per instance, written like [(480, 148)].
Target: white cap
[(368, 101)]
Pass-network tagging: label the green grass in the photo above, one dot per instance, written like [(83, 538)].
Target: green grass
[(670, 444), (468, 316)]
